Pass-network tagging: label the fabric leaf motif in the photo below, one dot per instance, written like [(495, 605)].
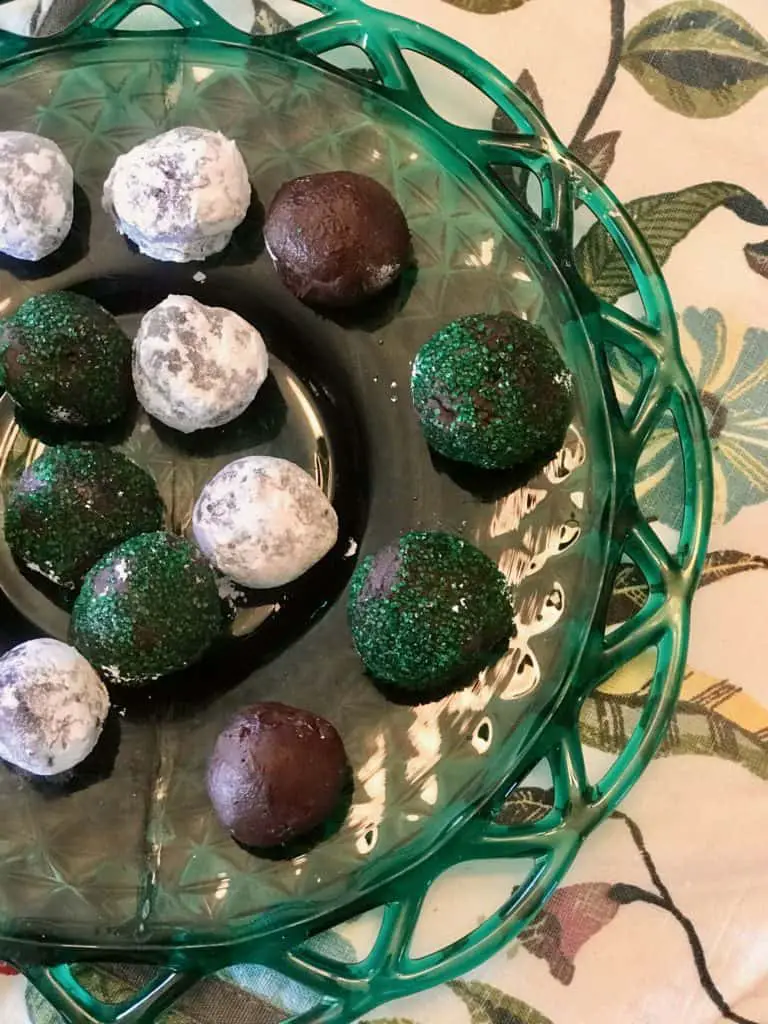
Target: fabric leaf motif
[(487, 6), (526, 805), (387, 1020), (716, 719), (697, 58), (599, 152), (757, 257), (730, 370), (630, 588), (664, 220), (489, 1005), (527, 83), (574, 914)]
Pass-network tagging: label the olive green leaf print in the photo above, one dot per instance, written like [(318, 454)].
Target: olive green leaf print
[(697, 58), (664, 220), (489, 1005), (387, 1020), (487, 6), (609, 719)]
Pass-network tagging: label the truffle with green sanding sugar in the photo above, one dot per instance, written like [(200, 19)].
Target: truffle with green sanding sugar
[(73, 505), (66, 360), (492, 390), (428, 609), (148, 608)]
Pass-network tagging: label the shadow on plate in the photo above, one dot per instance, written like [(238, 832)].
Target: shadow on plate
[(261, 422), (375, 313), (73, 249), (489, 485)]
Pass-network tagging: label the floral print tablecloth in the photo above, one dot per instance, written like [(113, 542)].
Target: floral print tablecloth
[(664, 918)]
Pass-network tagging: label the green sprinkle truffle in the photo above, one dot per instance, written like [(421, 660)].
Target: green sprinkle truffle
[(148, 608), (491, 390), (427, 610), (73, 504), (66, 360)]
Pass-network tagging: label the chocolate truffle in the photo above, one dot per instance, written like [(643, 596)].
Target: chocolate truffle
[(196, 366), (492, 391), (179, 196), (428, 609), (72, 505), (149, 607), (275, 774), (36, 196), (64, 359), (52, 707), (263, 521), (336, 238)]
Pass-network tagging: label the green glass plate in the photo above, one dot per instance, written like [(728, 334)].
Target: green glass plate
[(125, 860)]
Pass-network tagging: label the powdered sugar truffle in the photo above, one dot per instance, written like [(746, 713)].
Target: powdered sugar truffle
[(196, 366), (263, 521), (36, 196), (180, 195), (52, 707)]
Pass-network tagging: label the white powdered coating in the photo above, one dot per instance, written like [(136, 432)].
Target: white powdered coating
[(180, 195), (36, 196), (52, 707), (196, 366), (263, 521)]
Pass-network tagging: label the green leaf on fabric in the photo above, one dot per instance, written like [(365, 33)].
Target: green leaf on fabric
[(489, 1005), (608, 720), (757, 257), (387, 1020), (749, 208), (599, 152), (630, 588), (697, 58), (487, 6), (664, 220)]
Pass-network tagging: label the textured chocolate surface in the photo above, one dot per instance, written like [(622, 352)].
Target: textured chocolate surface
[(276, 773), (336, 238)]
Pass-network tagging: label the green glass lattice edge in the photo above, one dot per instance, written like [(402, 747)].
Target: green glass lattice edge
[(348, 990)]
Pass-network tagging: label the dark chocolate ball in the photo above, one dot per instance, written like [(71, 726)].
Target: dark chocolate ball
[(74, 504), (66, 360), (336, 238), (491, 390), (150, 607), (427, 610), (276, 773)]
